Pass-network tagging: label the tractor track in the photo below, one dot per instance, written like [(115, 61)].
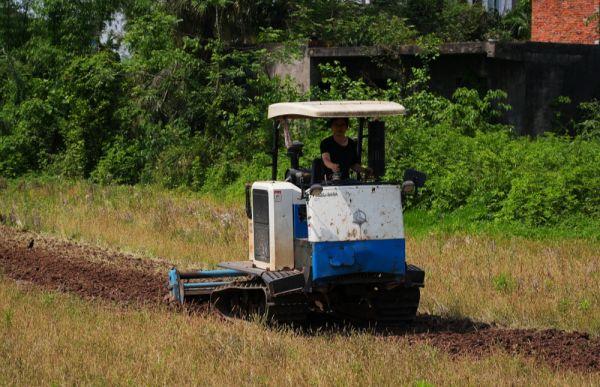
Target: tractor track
[(96, 273)]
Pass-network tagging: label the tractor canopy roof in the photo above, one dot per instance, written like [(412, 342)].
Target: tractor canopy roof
[(334, 109)]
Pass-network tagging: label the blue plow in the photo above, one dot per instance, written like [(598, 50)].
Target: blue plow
[(198, 284)]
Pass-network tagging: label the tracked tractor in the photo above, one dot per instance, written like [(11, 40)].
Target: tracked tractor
[(317, 245)]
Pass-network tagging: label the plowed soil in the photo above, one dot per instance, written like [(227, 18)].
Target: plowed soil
[(90, 272), (96, 273), (559, 349)]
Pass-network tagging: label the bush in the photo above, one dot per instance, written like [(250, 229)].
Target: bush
[(472, 161), (188, 108), (389, 24), (589, 125), (122, 164)]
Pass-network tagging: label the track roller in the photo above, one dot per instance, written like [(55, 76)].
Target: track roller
[(243, 299)]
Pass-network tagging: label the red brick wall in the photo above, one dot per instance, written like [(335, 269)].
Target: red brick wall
[(563, 21)]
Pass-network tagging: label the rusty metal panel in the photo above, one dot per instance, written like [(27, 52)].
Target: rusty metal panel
[(302, 253), (351, 213), (250, 239)]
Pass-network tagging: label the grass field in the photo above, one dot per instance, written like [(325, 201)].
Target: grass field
[(49, 338), (58, 338)]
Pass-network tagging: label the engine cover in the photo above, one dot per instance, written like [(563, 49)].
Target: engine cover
[(355, 213), (272, 231)]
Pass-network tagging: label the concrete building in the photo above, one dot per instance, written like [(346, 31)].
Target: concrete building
[(533, 74), (563, 59)]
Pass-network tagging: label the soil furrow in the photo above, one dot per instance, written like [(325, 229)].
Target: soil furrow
[(96, 273), (87, 271)]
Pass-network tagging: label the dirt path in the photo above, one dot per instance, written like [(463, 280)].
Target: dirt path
[(96, 273)]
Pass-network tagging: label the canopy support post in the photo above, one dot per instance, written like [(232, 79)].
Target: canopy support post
[(274, 151), (361, 127)]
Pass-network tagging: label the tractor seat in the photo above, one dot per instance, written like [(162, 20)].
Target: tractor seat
[(317, 171)]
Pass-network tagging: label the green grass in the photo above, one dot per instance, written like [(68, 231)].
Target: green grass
[(525, 282), (420, 223)]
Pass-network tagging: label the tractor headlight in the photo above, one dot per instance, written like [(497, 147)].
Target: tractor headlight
[(408, 187), (315, 190)]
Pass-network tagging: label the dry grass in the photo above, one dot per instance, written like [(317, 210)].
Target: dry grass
[(512, 281), (49, 338), (187, 229), (59, 339)]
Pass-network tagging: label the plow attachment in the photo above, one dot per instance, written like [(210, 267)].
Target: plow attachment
[(241, 290), (185, 286)]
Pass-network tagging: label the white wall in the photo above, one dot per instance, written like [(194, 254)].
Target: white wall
[(502, 6)]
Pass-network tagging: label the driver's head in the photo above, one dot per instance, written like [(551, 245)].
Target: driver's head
[(339, 126)]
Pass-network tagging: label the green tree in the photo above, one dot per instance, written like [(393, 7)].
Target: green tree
[(14, 23)]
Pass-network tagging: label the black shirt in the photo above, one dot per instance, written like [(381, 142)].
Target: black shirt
[(345, 156)]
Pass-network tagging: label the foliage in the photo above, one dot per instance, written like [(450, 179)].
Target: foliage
[(589, 126), (167, 112), (582, 120), (185, 106), (14, 23), (594, 19), (516, 24), (347, 23), (464, 22), (72, 25), (472, 161), (390, 23)]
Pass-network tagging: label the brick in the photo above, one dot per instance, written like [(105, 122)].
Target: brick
[(563, 21)]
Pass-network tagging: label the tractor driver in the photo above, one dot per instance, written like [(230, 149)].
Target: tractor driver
[(339, 152)]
